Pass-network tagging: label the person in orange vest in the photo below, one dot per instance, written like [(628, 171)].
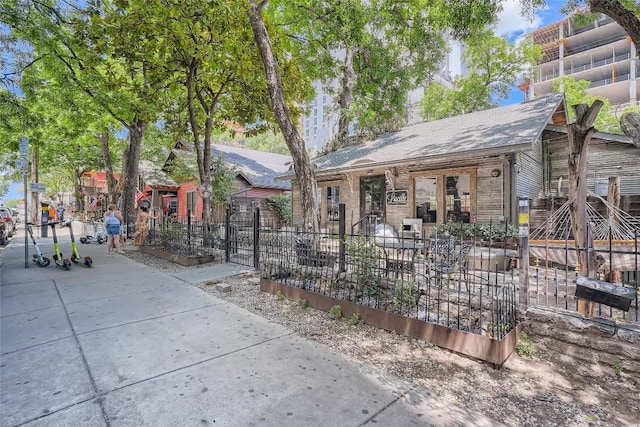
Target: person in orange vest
[(52, 213)]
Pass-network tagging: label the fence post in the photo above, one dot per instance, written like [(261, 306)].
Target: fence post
[(256, 238), (227, 236), (189, 229), (523, 224), (341, 235)]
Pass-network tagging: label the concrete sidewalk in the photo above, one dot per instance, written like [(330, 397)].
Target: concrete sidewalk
[(120, 344)]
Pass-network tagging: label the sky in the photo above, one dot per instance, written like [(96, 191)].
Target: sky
[(511, 24)]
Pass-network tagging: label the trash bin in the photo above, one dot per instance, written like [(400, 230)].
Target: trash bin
[(44, 219)]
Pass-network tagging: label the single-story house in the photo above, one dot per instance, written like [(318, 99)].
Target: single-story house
[(158, 187), (470, 169), (254, 182)]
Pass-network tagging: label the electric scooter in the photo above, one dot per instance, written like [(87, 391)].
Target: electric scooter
[(75, 256), (57, 257), (37, 256)]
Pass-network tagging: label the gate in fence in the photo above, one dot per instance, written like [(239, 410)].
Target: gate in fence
[(242, 238)]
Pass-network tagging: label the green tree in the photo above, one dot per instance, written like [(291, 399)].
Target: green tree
[(494, 64), (205, 54), (575, 92), (377, 50), (271, 142)]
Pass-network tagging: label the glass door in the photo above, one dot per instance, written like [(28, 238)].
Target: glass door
[(372, 198)]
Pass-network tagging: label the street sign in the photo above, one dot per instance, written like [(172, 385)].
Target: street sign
[(24, 146), (36, 187), (22, 164)]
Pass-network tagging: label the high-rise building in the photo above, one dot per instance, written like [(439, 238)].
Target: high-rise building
[(321, 124), (600, 52)]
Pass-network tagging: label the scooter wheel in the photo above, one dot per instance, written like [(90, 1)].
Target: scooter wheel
[(66, 264), (45, 262), (88, 261), (55, 257), (100, 240), (74, 259), (83, 240)]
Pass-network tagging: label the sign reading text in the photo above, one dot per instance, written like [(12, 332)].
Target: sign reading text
[(397, 198)]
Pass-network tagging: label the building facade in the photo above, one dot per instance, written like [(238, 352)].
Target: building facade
[(600, 53)]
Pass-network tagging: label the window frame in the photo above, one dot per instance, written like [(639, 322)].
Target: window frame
[(441, 196)]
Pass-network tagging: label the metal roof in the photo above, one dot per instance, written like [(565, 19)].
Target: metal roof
[(499, 130)]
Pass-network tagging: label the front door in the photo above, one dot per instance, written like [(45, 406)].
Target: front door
[(372, 197)]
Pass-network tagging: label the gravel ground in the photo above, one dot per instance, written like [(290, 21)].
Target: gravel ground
[(536, 390)]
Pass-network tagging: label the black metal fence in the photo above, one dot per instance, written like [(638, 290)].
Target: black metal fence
[(448, 279), (428, 280)]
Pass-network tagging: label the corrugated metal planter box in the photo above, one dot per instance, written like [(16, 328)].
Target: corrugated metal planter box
[(476, 346), (186, 261)]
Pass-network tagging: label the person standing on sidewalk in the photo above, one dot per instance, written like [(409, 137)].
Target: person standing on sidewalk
[(113, 221), (52, 213), (60, 212), (142, 226)]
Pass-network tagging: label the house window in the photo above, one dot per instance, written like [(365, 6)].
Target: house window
[(426, 198), (443, 198), (333, 199), (192, 202)]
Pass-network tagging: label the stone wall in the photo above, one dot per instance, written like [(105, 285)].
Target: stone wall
[(591, 344)]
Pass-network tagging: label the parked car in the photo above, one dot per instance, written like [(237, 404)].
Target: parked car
[(7, 217), (4, 233), (16, 215)]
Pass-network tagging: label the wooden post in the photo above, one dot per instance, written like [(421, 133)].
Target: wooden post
[(579, 134), (613, 198)]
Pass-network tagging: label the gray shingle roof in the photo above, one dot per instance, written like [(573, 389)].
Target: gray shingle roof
[(509, 128), (259, 168), (155, 176)]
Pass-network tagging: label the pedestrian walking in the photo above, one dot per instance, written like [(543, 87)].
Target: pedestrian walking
[(113, 222)]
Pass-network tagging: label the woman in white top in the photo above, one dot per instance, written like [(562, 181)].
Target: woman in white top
[(113, 221)]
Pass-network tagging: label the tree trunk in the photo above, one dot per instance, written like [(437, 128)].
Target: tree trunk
[(626, 18), (579, 134), (346, 95), (301, 163), (77, 193), (129, 179), (108, 167)]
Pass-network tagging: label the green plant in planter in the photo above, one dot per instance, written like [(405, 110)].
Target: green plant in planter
[(512, 232), (364, 257)]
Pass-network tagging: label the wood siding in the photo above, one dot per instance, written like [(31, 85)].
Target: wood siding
[(490, 196), (604, 159), (529, 182)]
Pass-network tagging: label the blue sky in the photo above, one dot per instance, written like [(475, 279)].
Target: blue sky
[(511, 24)]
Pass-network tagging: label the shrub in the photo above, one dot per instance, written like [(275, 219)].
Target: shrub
[(356, 319), (335, 312), (525, 346), (365, 258), (303, 303)]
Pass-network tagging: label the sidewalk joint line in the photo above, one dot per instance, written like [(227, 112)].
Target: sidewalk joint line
[(84, 359)]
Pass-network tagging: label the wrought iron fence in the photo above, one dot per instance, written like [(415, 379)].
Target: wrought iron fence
[(448, 278), (430, 280)]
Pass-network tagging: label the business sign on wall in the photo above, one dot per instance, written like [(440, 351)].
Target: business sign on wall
[(397, 198)]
